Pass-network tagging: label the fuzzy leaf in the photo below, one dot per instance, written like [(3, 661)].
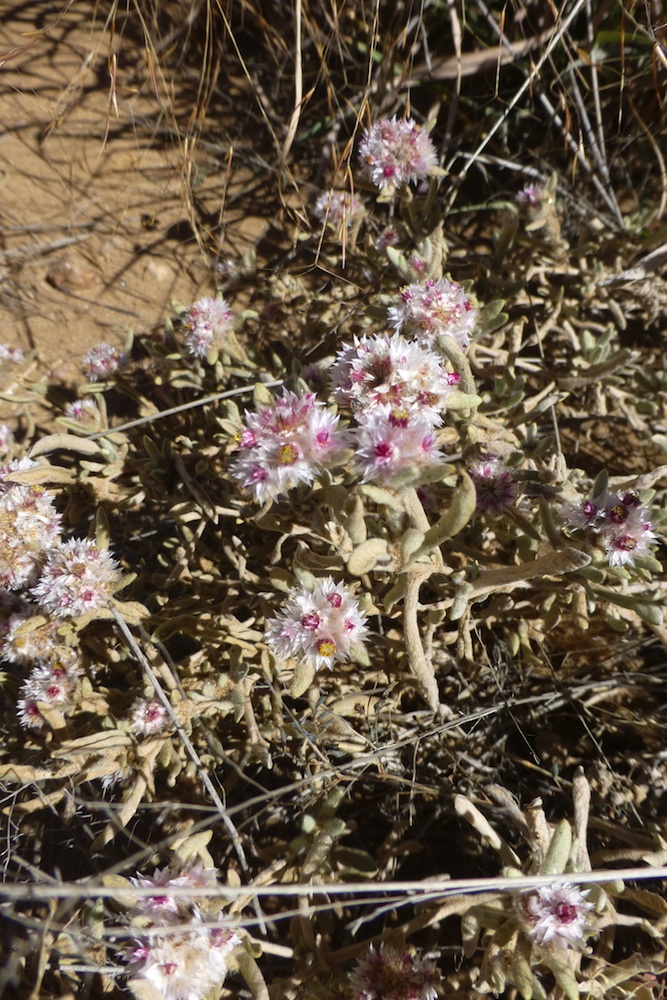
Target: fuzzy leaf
[(559, 850), (303, 677), (364, 557)]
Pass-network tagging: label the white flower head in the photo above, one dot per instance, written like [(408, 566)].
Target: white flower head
[(286, 444), (149, 717), (396, 151), (389, 973), (619, 520), (339, 209), (29, 526), (102, 361), (188, 964), (14, 355), (436, 308), (51, 685), (206, 326), (193, 877), (391, 440), (78, 578), (390, 369), (556, 916), (85, 411), (321, 626)]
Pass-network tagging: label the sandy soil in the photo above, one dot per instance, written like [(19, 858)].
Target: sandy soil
[(94, 227)]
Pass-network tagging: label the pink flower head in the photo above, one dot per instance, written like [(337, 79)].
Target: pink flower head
[(102, 361), (556, 916), (78, 578), (149, 716), (187, 965), (494, 485), (163, 902), (391, 370), (434, 309), (287, 444), (395, 152), (52, 685), (619, 522), (85, 411), (389, 973), (391, 440), (206, 325), (529, 199), (339, 209), (320, 626)]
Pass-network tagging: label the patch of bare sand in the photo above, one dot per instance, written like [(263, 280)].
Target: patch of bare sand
[(94, 229)]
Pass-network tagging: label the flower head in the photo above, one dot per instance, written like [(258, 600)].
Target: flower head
[(392, 439), (206, 326), (495, 488), (51, 685), (529, 199), (389, 973), (78, 578), (102, 361), (321, 626), (85, 411), (29, 526), (193, 877), (436, 308), (620, 523), (556, 916), (26, 642), (286, 444), (185, 964), (149, 716), (395, 152), (12, 354), (391, 370), (339, 208)]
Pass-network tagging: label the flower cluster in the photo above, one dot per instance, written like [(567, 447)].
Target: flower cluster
[(618, 521), (188, 960), (49, 685), (102, 361), (389, 973), (320, 626), (395, 152), (339, 208), (436, 308), (78, 578), (29, 527), (556, 916), (494, 484), (393, 439), (206, 326), (286, 444), (392, 370)]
